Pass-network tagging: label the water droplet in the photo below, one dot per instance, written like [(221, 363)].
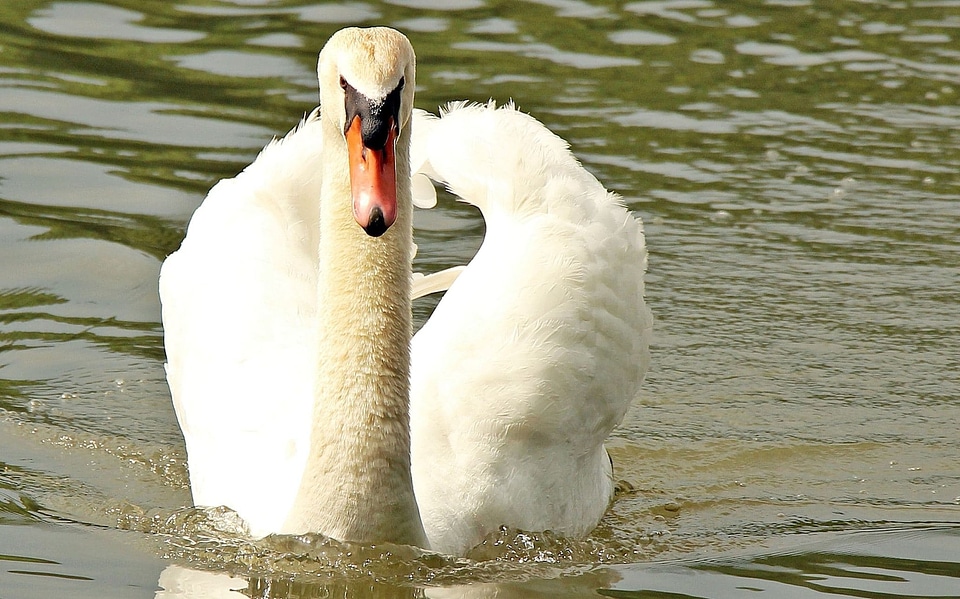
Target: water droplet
[(929, 180), (119, 382)]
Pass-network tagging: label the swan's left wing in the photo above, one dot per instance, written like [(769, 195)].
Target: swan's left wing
[(538, 348), (434, 282)]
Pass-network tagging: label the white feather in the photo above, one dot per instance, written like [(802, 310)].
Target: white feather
[(535, 352), (239, 302)]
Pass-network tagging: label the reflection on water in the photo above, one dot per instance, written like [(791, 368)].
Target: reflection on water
[(889, 564), (796, 164)]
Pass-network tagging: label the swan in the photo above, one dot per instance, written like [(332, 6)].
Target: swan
[(304, 403)]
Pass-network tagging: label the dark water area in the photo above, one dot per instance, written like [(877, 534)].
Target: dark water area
[(797, 167)]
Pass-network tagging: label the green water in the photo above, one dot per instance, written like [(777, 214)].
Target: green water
[(797, 165)]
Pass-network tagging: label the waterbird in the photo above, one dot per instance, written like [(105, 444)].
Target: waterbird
[(304, 402)]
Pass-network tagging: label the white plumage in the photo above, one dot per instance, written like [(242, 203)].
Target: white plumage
[(533, 355), (239, 303), (527, 364)]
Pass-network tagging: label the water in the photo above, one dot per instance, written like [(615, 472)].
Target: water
[(797, 164)]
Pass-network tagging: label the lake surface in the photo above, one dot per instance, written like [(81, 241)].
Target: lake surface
[(797, 165)]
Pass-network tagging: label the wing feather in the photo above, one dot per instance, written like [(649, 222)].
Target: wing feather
[(238, 301), (538, 348)]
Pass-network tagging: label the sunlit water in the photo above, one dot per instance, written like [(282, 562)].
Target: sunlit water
[(797, 165)]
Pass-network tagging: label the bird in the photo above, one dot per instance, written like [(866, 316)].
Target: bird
[(305, 401)]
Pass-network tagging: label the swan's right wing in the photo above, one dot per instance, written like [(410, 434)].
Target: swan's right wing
[(238, 301)]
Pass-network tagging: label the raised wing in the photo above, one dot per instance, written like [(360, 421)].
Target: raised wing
[(239, 299), (536, 351)]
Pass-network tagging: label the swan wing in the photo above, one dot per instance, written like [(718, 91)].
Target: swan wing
[(540, 344), (238, 301), (434, 282)]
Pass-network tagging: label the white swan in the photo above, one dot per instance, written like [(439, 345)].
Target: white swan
[(287, 326)]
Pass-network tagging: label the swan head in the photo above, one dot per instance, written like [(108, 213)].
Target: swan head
[(367, 78)]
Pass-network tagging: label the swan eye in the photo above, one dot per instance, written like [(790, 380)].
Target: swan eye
[(343, 82)]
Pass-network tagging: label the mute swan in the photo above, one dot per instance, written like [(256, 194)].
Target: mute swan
[(287, 328)]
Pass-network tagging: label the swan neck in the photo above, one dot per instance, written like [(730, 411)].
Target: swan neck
[(357, 485)]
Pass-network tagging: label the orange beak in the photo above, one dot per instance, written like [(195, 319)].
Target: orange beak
[(373, 180)]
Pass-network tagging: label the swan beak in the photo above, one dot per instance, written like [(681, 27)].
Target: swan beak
[(373, 180)]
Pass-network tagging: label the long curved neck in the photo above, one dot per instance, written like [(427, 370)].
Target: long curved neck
[(357, 484)]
